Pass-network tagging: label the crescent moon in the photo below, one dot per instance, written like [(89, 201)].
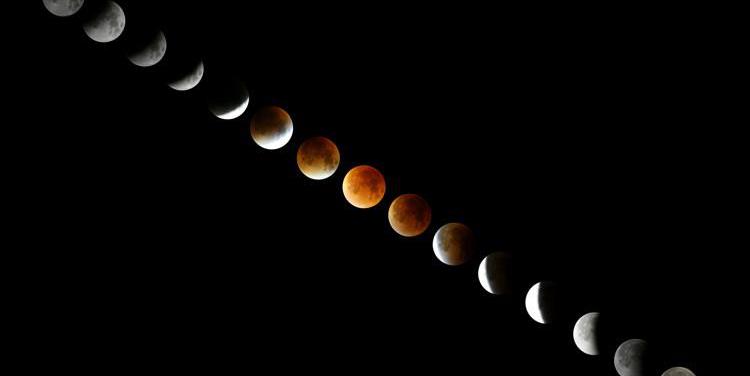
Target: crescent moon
[(152, 53), (63, 8), (228, 97), (106, 24), (494, 272), (190, 80), (585, 333), (532, 304), (678, 371)]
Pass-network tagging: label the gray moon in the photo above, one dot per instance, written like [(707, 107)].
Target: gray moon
[(543, 302), (150, 54), (494, 273), (453, 244), (630, 358), (63, 8), (585, 333), (678, 371), (228, 99), (190, 80), (106, 24)]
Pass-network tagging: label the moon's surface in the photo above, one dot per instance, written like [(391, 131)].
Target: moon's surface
[(453, 244), (494, 273), (190, 80), (630, 358), (409, 215), (106, 24), (364, 186), (318, 158), (63, 8), (151, 53), (678, 371), (586, 333), (543, 302), (271, 127), (227, 99)]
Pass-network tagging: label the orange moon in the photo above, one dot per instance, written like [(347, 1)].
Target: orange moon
[(364, 186), (318, 158), (409, 215)]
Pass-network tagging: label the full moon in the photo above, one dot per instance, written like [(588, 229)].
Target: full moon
[(63, 8), (106, 24), (364, 186), (318, 158), (585, 333), (409, 215), (227, 98), (678, 371), (150, 54), (494, 273), (453, 244), (271, 127), (542, 302), (630, 358), (190, 80)]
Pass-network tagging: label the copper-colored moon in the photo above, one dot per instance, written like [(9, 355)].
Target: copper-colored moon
[(271, 127), (453, 244), (364, 186), (318, 158), (409, 215)]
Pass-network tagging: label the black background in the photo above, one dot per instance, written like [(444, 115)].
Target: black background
[(574, 142)]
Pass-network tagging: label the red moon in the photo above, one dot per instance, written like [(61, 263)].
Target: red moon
[(364, 186), (409, 215)]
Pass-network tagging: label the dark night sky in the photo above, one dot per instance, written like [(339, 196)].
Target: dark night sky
[(574, 144)]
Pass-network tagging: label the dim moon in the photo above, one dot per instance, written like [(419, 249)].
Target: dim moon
[(271, 127), (678, 371), (106, 24), (190, 80), (494, 273), (409, 215), (63, 8), (318, 158), (586, 333), (364, 186), (453, 244), (227, 98), (152, 53), (630, 358)]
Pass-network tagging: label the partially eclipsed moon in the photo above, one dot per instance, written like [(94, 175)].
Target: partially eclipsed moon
[(453, 243), (630, 358), (152, 53), (190, 80), (678, 371), (364, 186), (227, 98), (409, 215), (271, 127), (106, 24), (543, 302), (318, 158), (494, 273), (586, 333), (532, 304), (63, 8)]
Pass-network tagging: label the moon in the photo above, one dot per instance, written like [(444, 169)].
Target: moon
[(678, 371), (318, 158), (271, 127), (586, 333), (63, 8), (106, 24), (190, 80), (364, 186), (494, 273), (543, 302), (630, 358), (453, 244), (227, 98), (409, 215), (150, 54)]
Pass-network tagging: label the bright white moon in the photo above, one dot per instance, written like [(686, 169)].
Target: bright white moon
[(532, 304)]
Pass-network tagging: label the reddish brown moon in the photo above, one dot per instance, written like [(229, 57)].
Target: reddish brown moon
[(364, 186), (409, 215), (318, 158)]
